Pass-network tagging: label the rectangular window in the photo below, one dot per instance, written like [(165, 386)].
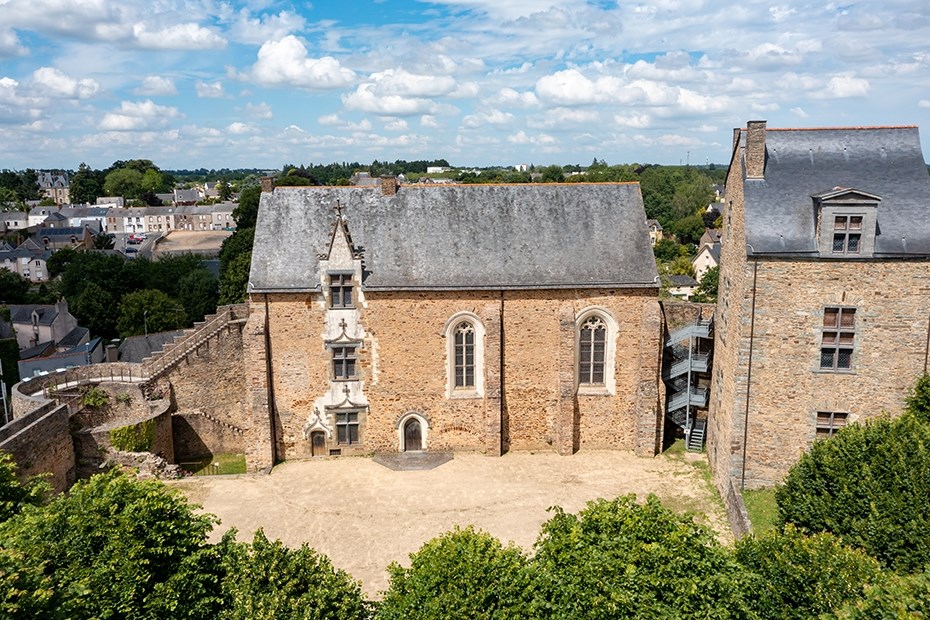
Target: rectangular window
[(829, 422), (340, 290), (344, 363), (465, 356), (839, 333), (591, 352), (347, 428), (847, 233)]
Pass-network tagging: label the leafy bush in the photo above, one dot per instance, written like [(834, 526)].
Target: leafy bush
[(619, 559), (869, 485), (463, 574), (95, 397), (133, 438), (14, 494), (803, 576), (268, 581), (112, 547), (903, 598)]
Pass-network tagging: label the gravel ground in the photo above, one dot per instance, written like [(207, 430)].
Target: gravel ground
[(364, 515)]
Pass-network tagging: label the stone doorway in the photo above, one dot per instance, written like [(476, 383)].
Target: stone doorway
[(413, 436), (318, 443)]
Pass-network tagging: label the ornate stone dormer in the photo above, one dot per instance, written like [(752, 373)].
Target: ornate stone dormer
[(847, 222)]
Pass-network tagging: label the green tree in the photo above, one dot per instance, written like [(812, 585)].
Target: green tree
[(224, 191), (669, 249), (16, 494), (114, 548), (707, 287), (688, 229), (103, 241), (463, 574), (125, 182), (619, 559), (13, 287), (870, 486), (901, 598), (800, 577), (198, 292), (94, 307), (267, 581), (85, 185), (553, 174), (166, 273), (235, 279), (246, 212), (147, 311)]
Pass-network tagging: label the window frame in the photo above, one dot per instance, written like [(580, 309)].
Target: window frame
[(463, 359), (837, 338), (846, 233), (608, 384), (347, 426), (591, 371), (340, 282), (830, 428), (340, 361), (453, 324)]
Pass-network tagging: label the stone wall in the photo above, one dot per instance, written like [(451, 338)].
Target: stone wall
[(197, 436), (528, 399), (40, 442)]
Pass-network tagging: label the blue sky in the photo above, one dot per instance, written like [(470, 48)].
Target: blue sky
[(204, 83)]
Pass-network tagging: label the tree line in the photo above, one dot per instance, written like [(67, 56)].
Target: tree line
[(851, 545)]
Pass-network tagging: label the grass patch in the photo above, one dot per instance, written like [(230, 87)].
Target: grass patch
[(697, 461), (216, 465), (762, 509)]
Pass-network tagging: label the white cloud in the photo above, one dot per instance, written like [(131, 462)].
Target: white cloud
[(210, 91), (636, 121), (428, 120), (329, 119), (178, 37), (924, 103), (397, 124), (365, 99), (842, 86), (487, 117), (54, 83), (247, 28), (155, 86), (10, 44), (406, 84), (521, 137), (286, 63), (510, 97), (800, 113), (136, 116), (259, 110), (238, 129)]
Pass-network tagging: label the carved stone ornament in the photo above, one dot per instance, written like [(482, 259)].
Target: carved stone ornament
[(316, 422)]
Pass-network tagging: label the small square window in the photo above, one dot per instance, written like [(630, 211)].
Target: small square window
[(347, 428), (829, 422), (340, 290), (344, 358)]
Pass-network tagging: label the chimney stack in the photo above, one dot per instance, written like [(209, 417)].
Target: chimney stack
[(388, 185), (267, 184), (755, 149)]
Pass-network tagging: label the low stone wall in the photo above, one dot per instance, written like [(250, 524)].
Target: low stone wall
[(30, 394), (40, 442), (736, 509), (197, 435)]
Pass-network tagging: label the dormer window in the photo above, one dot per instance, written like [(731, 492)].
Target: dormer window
[(847, 234), (847, 222)]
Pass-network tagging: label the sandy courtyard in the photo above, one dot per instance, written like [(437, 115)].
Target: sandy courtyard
[(196, 241), (364, 515)]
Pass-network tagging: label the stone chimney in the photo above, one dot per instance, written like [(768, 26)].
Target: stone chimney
[(755, 149), (112, 353), (737, 134), (267, 184), (388, 185)]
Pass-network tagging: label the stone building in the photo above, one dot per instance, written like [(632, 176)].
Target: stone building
[(437, 318), (824, 300)]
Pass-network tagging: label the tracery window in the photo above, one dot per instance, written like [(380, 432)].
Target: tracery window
[(592, 351), (464, 356)]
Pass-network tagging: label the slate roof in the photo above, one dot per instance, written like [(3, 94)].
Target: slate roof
[(459, 237), (887, 161), (681, 280), (137, 348), (43, 349), (23, 313), (74, 337)]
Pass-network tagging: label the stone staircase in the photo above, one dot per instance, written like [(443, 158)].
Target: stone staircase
[(193, 338)]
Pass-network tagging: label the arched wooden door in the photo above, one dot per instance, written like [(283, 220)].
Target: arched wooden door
[(318, 443), (413, 435)]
